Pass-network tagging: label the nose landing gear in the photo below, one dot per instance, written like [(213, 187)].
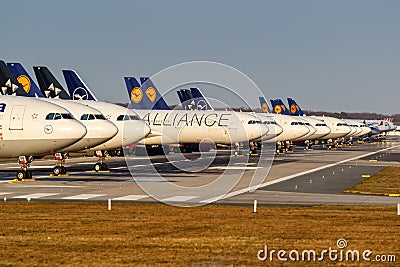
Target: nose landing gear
[(24, 173), (59, 168), (101, 165)]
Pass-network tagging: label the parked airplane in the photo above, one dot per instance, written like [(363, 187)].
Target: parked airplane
[(189, 126), (320, 128), (99, 130), (120, 116), (339, 128), (193, 99), (31, 127), (282, 128)]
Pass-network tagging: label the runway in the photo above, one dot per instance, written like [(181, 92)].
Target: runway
[(304, 177)]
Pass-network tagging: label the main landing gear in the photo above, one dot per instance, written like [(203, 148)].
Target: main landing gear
[(24, 173), (101, 165), (59, 168)]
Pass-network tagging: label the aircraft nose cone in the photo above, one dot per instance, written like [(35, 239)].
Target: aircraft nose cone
[(275, 130), (302, 131), (134, 131), (109, 129), (75, 129), (256, 131)]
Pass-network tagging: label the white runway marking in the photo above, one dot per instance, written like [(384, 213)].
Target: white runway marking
[(34, 167), (6, 181), (5, 193), (179, 198), (253, 188), (234, 168), (118, 168), (51, 186), (84, 196), (36, 195), (131, 197)]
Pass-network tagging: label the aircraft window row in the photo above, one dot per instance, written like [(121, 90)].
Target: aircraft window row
[(342, 124), (320, 124), (86, 117), (59, 116), (128, 118), (254, 122), (270, 122)]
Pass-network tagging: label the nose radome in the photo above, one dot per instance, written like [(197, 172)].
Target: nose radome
[(302, 131), (110, 130), (255, 131), (278, 129), (134, 131), (75, 129)]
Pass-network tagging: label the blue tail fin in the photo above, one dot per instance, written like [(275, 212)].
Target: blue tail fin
[(180, 96), (279, 108), (200, 101), (8, 83), (264, 105), (78, 90), (48, 84), (295, 110), (145, 96), (186, 98), (143, 79), (25, 80)]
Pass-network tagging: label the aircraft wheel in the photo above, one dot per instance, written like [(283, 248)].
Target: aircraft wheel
[(21, 174), (63, 170), (57, 170), (97, 167)]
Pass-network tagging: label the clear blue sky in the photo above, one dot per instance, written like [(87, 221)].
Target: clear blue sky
[(329, 55)]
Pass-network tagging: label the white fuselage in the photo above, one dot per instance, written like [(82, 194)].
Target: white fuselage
[(362, 129), (274, 128), (338, 127), (321, 129), (292, 127), (26, 131), (131, 129), (99, 130), (191, 126)]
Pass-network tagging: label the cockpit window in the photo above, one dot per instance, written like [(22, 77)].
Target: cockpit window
[(100, 117), (86, 117), (134, 117), (67, 116), (128, 117), (50, 116), (59, 116), (254, 122), (320, 124)]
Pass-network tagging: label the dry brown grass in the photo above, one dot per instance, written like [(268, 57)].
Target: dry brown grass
[(77, 234), (384, 182)]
